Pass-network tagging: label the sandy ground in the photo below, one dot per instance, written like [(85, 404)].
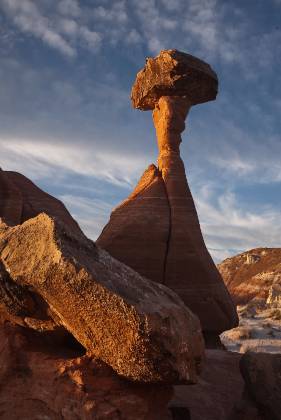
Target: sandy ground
[(259, 330)]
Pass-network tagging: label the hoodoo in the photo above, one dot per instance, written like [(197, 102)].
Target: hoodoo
[(156, 229)]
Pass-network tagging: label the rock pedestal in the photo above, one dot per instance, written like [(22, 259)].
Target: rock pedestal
[(164, 242)]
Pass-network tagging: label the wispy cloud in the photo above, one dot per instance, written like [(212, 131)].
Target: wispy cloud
[(47, 160), (69, 7), (116, 13), (230, 228), (27, 16), (92, 214), (61, 33), (215, 29)]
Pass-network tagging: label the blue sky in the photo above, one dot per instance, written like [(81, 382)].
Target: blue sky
[(66, 71)]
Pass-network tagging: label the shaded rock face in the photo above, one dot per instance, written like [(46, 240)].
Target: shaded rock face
[(159, 219), (262, 376), (250, 275), (21, 199), (218, 391), (141, 329), (126, 236), (41, 381)]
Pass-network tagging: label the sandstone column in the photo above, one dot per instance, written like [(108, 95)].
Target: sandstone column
[(169, 85)]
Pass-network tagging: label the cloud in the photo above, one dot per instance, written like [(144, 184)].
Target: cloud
[(133, 37), (69, 7), (92, 214), (92, 38), (157, 28), (116, 13), (62, 32), (263, 171), (174, 5), (202, 22), (27, 17), (229, 228), (44, 160)]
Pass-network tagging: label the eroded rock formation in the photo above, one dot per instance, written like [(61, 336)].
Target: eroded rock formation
[(156, 230), (21, 199), (140, 328), (250, 275)]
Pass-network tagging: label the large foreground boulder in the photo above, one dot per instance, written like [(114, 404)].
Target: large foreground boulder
[(140, 328)]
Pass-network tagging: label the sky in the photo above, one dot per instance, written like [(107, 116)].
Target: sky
[(66, 120)]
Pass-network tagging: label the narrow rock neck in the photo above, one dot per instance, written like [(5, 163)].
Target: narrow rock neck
[(169, 120)]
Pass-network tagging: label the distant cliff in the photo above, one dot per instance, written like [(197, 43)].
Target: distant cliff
[(251, 274)]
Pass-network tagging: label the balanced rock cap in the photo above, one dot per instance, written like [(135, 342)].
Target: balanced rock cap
[(174, 73)]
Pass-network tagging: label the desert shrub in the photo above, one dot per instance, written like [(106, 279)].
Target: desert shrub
[(276, 314), (239, 333)]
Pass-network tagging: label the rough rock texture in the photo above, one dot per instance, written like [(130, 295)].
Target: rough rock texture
[(262, 375), (40, 380), (25, 307), (274, 296), (21, 199), (218, 391), (251, 274), (141, 329), (156, 230), (174, 73)]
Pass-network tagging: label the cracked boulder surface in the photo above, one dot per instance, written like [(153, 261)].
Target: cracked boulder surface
[(156, 230), (141, 329)]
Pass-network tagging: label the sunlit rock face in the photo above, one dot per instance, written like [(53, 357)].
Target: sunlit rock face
[(251, 274), (174, 73), (274, 296), (156, 229), (140, 328)]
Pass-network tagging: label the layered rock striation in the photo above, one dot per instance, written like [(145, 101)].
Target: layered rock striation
[(156, 230)]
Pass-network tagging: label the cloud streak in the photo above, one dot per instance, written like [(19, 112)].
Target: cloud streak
[(61, 34), (26, 15), (45, 160), (230, 228)]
